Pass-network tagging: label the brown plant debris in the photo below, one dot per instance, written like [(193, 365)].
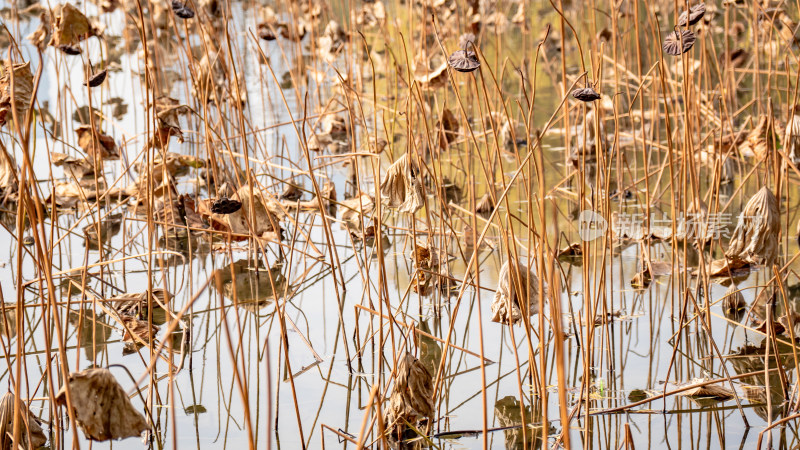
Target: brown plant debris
[(586, 94), (791, 138), (733, 303), (70, 26), (513, 281), (96, 144), (27, 426), (760, 141), (755, 238), (101, 407), (402, 186), (708, 391), (464, 61), (18, 91), (411, 399), (679, 42), (485, 204), (693, 15)]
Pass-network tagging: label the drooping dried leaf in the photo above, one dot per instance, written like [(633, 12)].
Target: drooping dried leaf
[(101, 407), (27, 425), (755, 238), (97, 79), (20, 90), (677, 42), (509, 304), (70, 25), (182, 9), (411, 399), (586, 94), (693, 15), (41, 37), (402, 186), (464, 61)]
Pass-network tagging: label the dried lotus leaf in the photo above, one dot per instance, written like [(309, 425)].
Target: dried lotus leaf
[(714, 392), (101, 407), (464, 61), (412, 394), (586, 94), (402, 186), (506, 306), (693, 15), (20, 90), (760, 141), (70, 26), (28, 426), (677, 42), (755, 238)]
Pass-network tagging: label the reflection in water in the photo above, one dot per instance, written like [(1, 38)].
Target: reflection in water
[(96, 235), (750, 358), (92, 331), (509, 413), (252, 288)]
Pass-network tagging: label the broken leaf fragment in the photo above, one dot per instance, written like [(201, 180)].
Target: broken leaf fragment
[(101, 407)]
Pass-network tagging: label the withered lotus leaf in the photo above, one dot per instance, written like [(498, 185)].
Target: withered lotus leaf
[(412, 394), (402, 186), (677, 42), (97, 79), (755, 238), (509, 305), (70, 25), (693, 15), (182, 10), (586, 94), (27, 425), (96, 144), (464, 61), (20, 90), (101, 407)]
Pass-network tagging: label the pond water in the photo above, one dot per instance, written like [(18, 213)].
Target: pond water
[(277, 341)]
